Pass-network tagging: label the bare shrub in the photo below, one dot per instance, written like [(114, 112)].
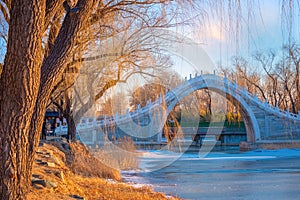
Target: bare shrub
[(120, 155), (82, 162)]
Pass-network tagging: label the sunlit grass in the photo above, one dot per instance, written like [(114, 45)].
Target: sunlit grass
[(77, 172), (121, 155)]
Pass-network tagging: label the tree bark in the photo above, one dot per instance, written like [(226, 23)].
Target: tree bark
[(29, 75), (71, 128), (68, 114), (25, 86), (55, 64), (18, 85)]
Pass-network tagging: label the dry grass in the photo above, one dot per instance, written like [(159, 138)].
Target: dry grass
[(94, 188), (77, 172), (120, 156), (81, 162)]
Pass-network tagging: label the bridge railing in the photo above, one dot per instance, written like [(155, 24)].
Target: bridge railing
[(265, 104), (171, 95), (244, 92)]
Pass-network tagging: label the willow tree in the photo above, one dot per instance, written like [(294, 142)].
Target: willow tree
[(43, 36), (37, 54), (26, 82), (117, 58)]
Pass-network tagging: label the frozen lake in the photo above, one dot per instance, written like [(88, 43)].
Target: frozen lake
[(260, 174)]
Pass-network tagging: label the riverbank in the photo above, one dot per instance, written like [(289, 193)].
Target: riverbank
[(68, 171)]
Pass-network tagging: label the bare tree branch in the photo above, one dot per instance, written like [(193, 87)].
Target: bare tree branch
[(52, 7), (5, 12)]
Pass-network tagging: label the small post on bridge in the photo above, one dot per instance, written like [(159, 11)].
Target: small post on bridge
[(255, 95), (266, 102), (277, 107), (287, 111)]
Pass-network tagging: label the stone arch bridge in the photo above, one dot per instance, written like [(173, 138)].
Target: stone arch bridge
[(263, 121)]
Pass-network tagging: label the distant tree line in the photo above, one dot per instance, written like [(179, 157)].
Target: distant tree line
[(273, 77)]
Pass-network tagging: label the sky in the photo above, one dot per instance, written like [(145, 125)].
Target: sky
[(3, 29), (260, 29), (258, 26), (214, 43)]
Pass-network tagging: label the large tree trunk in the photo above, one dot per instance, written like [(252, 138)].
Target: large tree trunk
[(25, 86), (71, 128), (18, 86), (69, 117)]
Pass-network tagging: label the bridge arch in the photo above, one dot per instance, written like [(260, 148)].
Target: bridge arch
[(263, 121), (224, 88)]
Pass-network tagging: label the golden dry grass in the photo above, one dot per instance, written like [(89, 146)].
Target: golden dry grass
[(120, 156), (94, 188), (77, 172)]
